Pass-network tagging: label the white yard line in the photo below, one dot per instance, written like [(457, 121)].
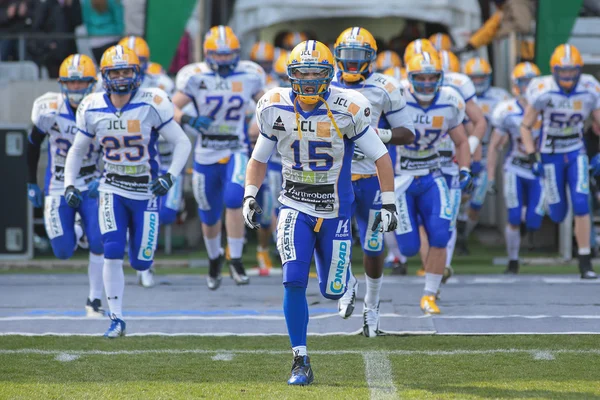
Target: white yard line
[(378, 372), (228, 356), (66, 357), (543, 355)]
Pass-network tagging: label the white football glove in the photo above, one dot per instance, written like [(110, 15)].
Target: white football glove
[(387, 219), (249, 210)]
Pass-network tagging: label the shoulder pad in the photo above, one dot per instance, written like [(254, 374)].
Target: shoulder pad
[(273, 96), (451, 96), (386, 82), (250, 67), (45, 109), (349, 100)]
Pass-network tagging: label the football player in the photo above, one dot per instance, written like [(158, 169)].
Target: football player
[(314, 127), (565, 100), (521, 187), (354, 51), (387, 59), (126, 121), (263, 54), (221, 96), (421, 189), (441, 41), (53, 116), (488, 96)]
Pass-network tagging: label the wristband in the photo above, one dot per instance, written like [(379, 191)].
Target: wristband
[(388, 198), (385, 135), (250, 191)]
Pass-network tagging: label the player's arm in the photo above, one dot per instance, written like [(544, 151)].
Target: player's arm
[(75, 156), (258, 95), (479, 124), (255, 175), (182, 146), (180, 100), (399, 119), (463, 153), (376, 150), (531, 115), (497, 142)]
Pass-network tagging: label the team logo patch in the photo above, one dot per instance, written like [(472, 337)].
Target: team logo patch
[(52, 220), (202, 85), (134, 126), (338, 269), (445, 203), (106, 213), (353, 108), (286, 226), (278, 124), (367, 112), (239, 169), (157, 100), (149, 237)]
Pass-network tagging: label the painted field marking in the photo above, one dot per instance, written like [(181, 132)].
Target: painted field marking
[(378, 373)]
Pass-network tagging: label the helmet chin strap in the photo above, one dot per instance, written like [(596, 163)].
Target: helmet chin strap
[(329, 114)]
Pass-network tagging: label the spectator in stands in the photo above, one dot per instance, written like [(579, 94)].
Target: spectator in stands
[(104, 22), (14, 18), (511, 16), (54, 16)]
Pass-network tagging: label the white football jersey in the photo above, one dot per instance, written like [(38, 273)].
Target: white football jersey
[(225, 100), (315, 161), (128, 138), (563, 115), (488, 101), (54, 117), (506, 120), (446, 111), (387, 100), (184, 74)]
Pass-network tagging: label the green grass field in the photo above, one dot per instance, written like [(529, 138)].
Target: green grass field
[(345, 367)]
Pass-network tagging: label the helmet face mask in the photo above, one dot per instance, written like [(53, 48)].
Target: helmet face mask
[(77, 78), (121, 80), (75, 89), (482, 82), (425, 76), (567, 77)]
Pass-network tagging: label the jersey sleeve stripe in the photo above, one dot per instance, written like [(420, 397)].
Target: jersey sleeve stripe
[(86, 133), (354, 138), (466, 100), (272, 138), (394, 111), (164, 123)]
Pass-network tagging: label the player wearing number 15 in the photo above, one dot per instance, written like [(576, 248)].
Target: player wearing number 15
[(314, 128), (53, 116), (565, 100), (221, 95), (126, 121)]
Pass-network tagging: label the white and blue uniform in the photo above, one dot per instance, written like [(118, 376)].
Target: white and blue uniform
[(128, 137), (317, 194), (221, 152), (487, 101), (421, 189), (521, 187), (388, 103), (54, 117), (561, 144)]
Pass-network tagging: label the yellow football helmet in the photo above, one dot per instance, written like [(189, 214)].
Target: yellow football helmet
[(480, 72), (310, 69), (140, 47), (154, 69), (449, 61), (397, 72), (566, 64), (425, 75), (77, 68), (118, 58), (522, 74), (280, 69), (387, 59), (292, 39), (221, 49), (441, 41), (416, 47), (263, 53), (354, 50)]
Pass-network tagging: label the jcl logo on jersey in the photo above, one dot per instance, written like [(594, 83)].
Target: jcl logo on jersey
[(341, 102), (116, 125), (305, 126)]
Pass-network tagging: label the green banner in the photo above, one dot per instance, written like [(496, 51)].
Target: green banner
[(555, 21), (165, 24)]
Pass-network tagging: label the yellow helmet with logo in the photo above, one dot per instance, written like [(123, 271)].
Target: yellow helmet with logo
[(441, 41), (387, 59), (354, 51), (263, 53), (566, 63), (116, 58), (425, 75), (397, 72), (292, 39), (310, 68), (221, 49), (280, 69), (77, 68), (416, 47), (140, 47), (449, 61), (480, 72), (522, 74), (154, 69)]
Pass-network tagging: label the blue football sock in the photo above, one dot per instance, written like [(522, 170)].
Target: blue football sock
[(295, 309)]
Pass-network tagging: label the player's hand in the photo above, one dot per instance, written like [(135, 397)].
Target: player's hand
[(387, 219), (200, 123), (34, 194), (161, 185), (73, 196), (465, 179), (536, 163), (93, 188), (595, 165), (476, 168), (491, 189), (249, 210)]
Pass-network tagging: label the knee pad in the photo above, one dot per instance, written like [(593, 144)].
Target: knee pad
[(210, 217), (580, 204), (140, 265), (63, 248), (514, 216), (295, 274), (167, 216), (96, 246), (557, 212), (439, 238), (114, 250), (234, 195), (409, 245)]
